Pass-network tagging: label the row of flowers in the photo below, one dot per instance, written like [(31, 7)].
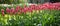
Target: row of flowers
[(31, 8), (47, 14)]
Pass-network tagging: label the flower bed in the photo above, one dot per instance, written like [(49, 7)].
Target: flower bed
[(34, 15)]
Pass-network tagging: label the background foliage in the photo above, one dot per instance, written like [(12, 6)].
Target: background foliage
[(12, 1)]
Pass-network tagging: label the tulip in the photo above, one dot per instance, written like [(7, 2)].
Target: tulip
[(7, 10), (25, 10), (12, 10), (2, 10), (30, 10), (56, 4), (32, 7), (17, 8)]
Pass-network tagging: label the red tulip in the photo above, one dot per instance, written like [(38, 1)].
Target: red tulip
[(25, 9), (17, 8), (2, 10), (12, 10), (56, 4), (7, 10), (32, 7), (29, 10)]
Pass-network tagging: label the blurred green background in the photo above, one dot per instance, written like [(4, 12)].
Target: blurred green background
[(22, 1)]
